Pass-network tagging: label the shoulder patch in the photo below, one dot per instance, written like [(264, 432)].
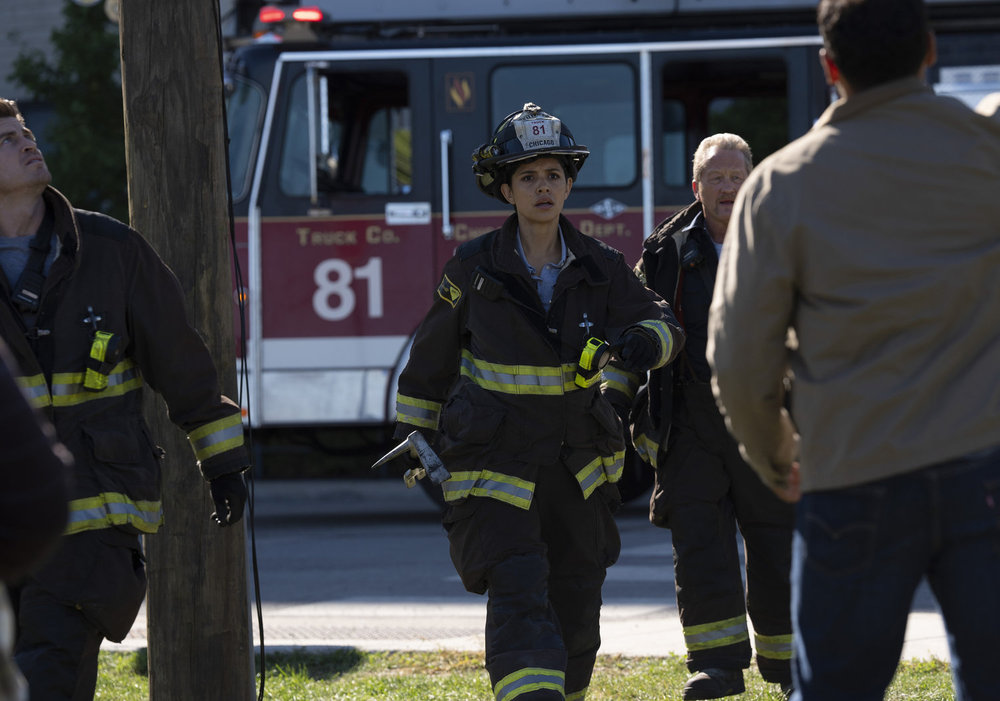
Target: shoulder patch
[(449, 291)]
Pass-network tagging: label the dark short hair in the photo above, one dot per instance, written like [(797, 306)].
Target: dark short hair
[(874, 41), (8, 108)]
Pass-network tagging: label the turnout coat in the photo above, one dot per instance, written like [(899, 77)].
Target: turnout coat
[(106, 277), (491, 373)]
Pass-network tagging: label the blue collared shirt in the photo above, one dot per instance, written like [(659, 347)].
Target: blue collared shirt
[(545, 281)]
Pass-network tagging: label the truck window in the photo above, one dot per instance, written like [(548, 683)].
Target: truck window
[(597, 101), (747, 97), (368, 132), (244, 109)]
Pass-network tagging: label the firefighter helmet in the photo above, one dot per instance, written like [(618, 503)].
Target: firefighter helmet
[(524, 135)]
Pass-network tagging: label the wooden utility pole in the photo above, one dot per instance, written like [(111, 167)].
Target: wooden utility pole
[(196, 606)]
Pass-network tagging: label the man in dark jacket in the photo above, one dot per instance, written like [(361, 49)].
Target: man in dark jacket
[(91, 315), (704, 490)]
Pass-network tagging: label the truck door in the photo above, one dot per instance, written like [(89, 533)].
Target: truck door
[(342, 249)]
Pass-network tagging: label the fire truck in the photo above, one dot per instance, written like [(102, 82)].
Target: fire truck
[(352, 125)]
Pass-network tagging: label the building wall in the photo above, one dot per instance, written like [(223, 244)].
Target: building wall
[(26, 25)]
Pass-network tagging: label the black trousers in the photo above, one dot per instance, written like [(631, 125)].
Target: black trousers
[(543, 569), (91, 589), (710, 492)]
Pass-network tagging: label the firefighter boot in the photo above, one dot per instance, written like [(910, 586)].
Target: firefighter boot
[(714, 684)]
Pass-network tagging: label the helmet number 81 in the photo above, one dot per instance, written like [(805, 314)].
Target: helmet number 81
[(334, 278)]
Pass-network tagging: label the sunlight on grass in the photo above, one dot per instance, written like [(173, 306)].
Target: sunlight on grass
[(349, 674)]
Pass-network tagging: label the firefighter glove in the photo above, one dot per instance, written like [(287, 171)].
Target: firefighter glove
[(638, 351), (229, 492)]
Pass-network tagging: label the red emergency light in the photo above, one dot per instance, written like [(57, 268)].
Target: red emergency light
[(308, 14), (269, 14)]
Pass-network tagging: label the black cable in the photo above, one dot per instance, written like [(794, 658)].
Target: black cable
[(243, 375)]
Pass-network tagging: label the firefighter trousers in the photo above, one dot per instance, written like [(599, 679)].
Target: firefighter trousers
[(710, 493), (542, 569), (90, 589)]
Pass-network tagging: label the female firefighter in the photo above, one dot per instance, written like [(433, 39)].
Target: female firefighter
[(496, 382)]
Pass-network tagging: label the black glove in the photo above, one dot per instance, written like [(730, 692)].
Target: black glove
[(229, 493), (638, 351)]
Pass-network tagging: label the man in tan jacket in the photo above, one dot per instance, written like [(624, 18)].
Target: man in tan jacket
[(863, 257)]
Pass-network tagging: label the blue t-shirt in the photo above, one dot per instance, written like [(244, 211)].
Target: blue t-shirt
[(14, 254)]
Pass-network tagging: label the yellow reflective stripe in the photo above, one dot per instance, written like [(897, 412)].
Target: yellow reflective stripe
[(591, 476), (484, 483), (614, 465), (113, 509), (662, 331), (647, 448), (577, 695), (604, 468), (717, 634), (418, 412), (35, 389), (775, 647), (67, 387), (526, 680), (217, 437), (620, 380), (519, 379)]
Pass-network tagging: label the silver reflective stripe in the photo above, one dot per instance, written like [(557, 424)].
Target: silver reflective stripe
[(621, 380), (229, 435), (662, 331), (525, 681), (417, 412), (68, 390), (647, 448), (113, 509), (614, 466), (510, 490), (591, 476), (716, 634), (459, 485), (519, 379), (35, 389), (776, 647)]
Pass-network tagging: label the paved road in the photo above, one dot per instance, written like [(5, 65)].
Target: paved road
[(365, 564)]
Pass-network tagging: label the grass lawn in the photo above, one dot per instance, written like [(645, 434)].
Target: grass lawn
[(349, 674)]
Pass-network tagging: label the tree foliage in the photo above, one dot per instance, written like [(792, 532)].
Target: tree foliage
[(83, 86)]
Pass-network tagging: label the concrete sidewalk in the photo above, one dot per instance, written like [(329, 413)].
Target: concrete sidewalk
[(309, 514)]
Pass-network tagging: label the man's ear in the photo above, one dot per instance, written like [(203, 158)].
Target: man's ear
[(694, 189), (930, 58), (830, 70)]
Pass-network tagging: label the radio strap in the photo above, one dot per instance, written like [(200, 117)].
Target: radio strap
[(27, 291)]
